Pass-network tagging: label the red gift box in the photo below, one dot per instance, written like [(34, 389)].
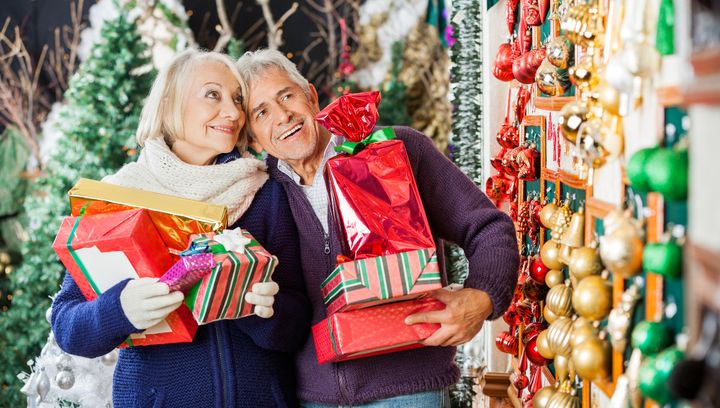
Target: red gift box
[(373, 331), (103, 249)]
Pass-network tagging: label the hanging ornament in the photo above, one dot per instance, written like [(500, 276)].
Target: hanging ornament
[(574, 235), (611, 99), (655, 372), (554, 277), (583, 25), (521, 100), (559, 300), (636, 166), (549, 316), (533, 353), (572, 115), (641, 59), (621, 248), (110, 358), (663, 258), (497, 161), (564, 397), (562, 368), (525, 66), (547, 214), (620, 318), (592, 298), (542, 396), (591, 359), (543, 347), (65, 379), (584, 74), (538, 270), (584, 262), (48, 314), (651, 337), (502, 65), (561, 52), (506, 342), (534, 11), (667, 173), (529, 165), (583, 330), (558, 336), (560, 222), (549, 255), (589, 143), (43, 386), (551, 80), (665, 39), (510, 8)]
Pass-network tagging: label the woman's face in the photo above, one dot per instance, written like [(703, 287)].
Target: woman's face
[(212, 114)]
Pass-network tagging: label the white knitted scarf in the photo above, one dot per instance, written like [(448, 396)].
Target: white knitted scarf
[(158, 169)]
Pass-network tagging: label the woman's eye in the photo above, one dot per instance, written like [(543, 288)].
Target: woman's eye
[(213, 94), (238, 100)]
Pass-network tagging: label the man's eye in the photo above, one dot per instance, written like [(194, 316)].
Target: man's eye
[(286, 97), (260, 115)]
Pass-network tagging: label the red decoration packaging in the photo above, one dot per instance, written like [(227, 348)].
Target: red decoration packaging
[(374, 195), (103, 249), (187, 271), (373, 331)]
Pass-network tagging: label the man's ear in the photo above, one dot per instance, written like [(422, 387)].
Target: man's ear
[(314, 96)]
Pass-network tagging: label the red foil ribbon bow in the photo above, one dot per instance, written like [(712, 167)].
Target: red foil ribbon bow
[(352, 116)]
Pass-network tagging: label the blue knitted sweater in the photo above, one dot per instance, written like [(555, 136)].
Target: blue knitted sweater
[(230, 363)]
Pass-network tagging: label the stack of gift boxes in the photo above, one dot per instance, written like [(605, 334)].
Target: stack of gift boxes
[(116, 233), (389, 264)]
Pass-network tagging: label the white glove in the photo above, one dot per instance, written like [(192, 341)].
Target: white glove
[(262, 296), (146, 302)]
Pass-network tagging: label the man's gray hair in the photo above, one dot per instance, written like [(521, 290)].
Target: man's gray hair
[(254, 64)]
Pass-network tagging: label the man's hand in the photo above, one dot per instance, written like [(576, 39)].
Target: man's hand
[(464, 314)]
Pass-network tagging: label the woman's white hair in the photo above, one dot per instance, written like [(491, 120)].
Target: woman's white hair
[(161, 116), (253, 64)]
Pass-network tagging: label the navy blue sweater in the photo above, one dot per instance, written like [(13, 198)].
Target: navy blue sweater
[(230, 363)]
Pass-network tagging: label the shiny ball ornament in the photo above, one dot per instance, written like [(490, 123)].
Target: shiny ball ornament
[(110, 358), (549, 255), (592, 298), (613, 140), (525, 66), (542, 345), (667, 173), (611, 100), (621, 252), (561, 52), (502, 65), (583, 330), (663, 258), (48, 314), (589, 142), (635, 168), (641, 59), (618, 76), (655, 372), (558, 336), (562, 367), (584, 74), (651, 337), (585, 262), (547, 213), (533, 353), (551, 80), (563, 400), (538, 270), (591, 359), (542, 396), (65, 379), (559, 300), (549, 316), (572, 115), (554, 277)]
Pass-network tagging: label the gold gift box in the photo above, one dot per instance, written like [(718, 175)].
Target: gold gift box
[(175, 218)]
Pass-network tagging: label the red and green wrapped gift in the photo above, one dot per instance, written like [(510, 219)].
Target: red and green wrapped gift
[(221, 294), (372, 281), (373, 191), (373, 331), (103, 249)]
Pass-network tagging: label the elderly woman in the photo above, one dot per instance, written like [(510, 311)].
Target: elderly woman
[(194, 147)]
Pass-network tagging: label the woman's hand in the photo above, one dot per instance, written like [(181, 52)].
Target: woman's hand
[(262, 296), (146, 302)]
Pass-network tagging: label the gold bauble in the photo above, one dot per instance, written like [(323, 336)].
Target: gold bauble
[(572, 115), (574, 235), (551, 80), (563, 400), (560, 52), (583, 330), (591, 359), (592, 298), (560, 221), (543, 346), (621, 252), (549, 316), (558, 336), (542, 396), (559, 300), (589, 142), (549, 255), (554, 277), (547, 213), (584, 262), (562, 367), (612, 101), (584, 74), (565, 253)]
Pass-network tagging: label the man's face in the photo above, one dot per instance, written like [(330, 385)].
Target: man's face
[(281, 117)]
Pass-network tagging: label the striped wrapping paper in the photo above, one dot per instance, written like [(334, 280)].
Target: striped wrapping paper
[(372, 281), (221, 294)]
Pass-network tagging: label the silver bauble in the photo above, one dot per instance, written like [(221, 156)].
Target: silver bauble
[(65, 379), (110, 358)]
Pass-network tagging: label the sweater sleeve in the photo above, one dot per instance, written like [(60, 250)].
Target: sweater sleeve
[(89, 328), (458, 211), (270, 221)]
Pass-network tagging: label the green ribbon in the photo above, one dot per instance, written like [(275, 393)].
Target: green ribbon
[(332, 337), (380, 135)]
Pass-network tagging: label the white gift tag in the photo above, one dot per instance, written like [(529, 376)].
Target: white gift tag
[(106, 268)]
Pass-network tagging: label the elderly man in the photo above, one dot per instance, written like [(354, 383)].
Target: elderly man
[(281, 110)]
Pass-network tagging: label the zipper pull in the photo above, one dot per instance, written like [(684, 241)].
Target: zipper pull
[(327, 245)]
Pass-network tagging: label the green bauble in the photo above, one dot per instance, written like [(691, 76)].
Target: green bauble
[(635, 168), (663, 258), (667, 173), (666, 361), (651, 337), (651, 382)]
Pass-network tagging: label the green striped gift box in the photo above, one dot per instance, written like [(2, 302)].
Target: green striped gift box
[(372, 281), (221, 294)]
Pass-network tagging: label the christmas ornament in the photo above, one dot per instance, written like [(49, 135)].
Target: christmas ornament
[(551, 80), (585, 262), (538, 270), (497, 161), (65, 379), (592, 298), (636, 166), (534, 291), (528, 161), (572, 115), (554, 277), (621, 248), (525, 66), (547, 213), (641, 59), (521, 100), (620, 318), (510, 7), (583, 25), (584, 74), (533, 353), (110, 358), (542, 345), (574, 235), (663, 258), (559, 300), (549, 255), (549, 316), (506, 342), (48, 314), (561, 52), (583, 330), (558, 336), (43, 386), (665, 39), (533, 13), (502, 65), (655, 372), (589, 143), (564, 398), (542, 396), (562, 368), (561, 220), (591, 359), (612, 100), (667, 173), (651, 337)]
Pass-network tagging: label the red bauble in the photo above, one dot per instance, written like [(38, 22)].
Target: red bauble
[(508, 136), (525, 67), (528, 162), (502, 65), (497, 161), (506, 342), (538, 270), (521, 100), (532, 353), (521, 382)]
